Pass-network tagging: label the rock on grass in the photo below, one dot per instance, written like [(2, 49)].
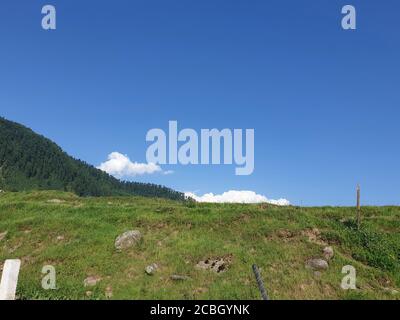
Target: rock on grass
[(91, 281), (328, 253), (317, 264), (128, 239), (151, 269)]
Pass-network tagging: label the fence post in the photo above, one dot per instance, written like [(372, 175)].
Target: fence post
[(358, 208), (9, 279)]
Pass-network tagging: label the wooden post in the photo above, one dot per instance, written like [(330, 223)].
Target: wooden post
[(358, 208)]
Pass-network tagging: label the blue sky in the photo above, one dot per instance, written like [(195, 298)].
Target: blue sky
[(324, 102)]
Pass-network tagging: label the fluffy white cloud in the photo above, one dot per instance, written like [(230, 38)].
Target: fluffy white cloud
[(120, 166), (234, 196)]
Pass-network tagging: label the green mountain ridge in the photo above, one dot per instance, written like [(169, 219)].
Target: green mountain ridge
[(29, 161)]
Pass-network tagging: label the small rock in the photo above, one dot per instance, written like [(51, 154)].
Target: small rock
[(3, 235), (176, 277), (317, 264), (60, 238), (89, 293), (328, 253), (151, 269), (91, 281), (128, 239)]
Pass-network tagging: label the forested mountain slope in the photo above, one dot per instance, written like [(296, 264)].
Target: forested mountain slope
[(29, 161)]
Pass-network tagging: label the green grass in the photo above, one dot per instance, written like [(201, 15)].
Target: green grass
[(178, 235)]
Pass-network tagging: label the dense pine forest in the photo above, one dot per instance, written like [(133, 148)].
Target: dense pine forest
[(29, 161)]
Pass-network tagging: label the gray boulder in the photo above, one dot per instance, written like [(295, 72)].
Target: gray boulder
[(128, 239), (317, 264)]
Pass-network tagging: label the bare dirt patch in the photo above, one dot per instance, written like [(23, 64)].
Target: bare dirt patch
[(283, 235)]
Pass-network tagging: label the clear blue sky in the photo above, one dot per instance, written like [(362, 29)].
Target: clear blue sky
[(324, 102)]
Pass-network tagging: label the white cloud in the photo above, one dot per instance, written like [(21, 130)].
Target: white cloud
[(120, 166), (234, 196)]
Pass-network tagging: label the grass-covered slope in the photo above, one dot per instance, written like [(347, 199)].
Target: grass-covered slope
[(76, 236), (29, 161)]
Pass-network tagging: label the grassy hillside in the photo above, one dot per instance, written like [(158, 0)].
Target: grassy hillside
[(76, 235), (29, 161)]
